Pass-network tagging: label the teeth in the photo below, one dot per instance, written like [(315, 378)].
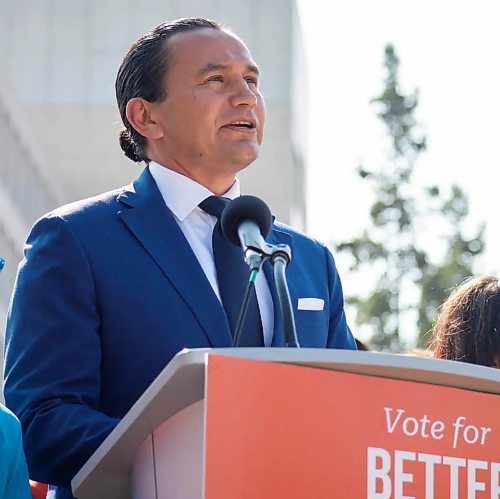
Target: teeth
[(242, 123)]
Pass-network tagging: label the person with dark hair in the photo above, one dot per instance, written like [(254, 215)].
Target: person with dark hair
[(468, 327), (112, 287), (361, 345)]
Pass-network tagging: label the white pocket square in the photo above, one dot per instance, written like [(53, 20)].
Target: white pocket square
[(311, 304)]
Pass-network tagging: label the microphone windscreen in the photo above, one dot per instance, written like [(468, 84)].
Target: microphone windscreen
[(245, 208)]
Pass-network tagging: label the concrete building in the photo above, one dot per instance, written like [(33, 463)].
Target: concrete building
[(58, 117)]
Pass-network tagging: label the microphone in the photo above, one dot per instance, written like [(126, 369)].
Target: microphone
[(246, 221)]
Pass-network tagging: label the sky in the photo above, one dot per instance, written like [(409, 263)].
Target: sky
[(450, 51), (452, 55)]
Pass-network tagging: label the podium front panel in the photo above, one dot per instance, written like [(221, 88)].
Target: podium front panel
[(278, 430)]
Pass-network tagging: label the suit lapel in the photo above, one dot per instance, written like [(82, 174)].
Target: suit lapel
[(153, 224), (276, 237)]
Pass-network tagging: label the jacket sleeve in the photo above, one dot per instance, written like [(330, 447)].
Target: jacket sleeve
[(53, 354), (339, 334)]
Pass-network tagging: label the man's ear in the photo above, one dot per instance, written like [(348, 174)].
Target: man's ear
[(139, 116)]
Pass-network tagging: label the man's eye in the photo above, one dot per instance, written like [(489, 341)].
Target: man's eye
[(252, 79), (215, 78)]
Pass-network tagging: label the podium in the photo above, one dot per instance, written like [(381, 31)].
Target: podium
[(307, 423)]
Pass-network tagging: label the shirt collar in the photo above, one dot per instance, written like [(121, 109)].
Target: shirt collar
[(181, 194)]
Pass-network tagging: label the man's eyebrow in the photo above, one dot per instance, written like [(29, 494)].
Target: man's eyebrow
[(252, 68)]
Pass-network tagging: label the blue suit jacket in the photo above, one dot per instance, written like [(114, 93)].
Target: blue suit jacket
[(108, 292)]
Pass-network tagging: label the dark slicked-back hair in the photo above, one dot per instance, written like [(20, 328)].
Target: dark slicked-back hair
[(468, 328), (142, 74)]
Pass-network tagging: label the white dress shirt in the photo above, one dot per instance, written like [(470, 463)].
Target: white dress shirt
[(182, 195)]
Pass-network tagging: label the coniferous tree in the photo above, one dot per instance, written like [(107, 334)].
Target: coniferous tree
[(394, 246)]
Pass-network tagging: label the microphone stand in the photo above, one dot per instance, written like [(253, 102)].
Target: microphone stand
[(244, 306), (280, 256)]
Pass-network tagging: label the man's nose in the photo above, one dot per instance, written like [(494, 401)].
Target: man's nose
[(243, 94)]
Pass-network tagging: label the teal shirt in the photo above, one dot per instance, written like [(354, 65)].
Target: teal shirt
[(14, 482)]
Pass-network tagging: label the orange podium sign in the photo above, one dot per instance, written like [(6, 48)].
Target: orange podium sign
[(285, 431)]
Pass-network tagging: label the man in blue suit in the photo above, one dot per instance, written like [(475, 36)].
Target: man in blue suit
[(112, 287)]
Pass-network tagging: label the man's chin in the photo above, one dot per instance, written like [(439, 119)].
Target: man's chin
[(244, 156)]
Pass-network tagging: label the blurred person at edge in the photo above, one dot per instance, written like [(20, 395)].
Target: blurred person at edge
[(468, 326), (14, 483), (112, 287)]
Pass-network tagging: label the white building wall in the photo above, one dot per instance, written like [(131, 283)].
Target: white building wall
[(26, 188)]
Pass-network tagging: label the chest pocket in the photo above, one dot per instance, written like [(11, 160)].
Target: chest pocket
[(311, 319), (312, 328)]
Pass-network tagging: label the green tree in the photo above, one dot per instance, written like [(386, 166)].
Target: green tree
[(395, 246)]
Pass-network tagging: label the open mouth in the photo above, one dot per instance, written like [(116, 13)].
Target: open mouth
[(241, 125)]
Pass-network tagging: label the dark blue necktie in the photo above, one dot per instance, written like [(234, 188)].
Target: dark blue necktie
[(233, 275)]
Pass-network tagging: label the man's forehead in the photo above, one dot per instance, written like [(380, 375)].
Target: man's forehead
[(209, 46)]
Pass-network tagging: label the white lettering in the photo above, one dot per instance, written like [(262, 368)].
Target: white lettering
[(425, 421), (414, 423), (485, 431), (430, 460), (412, 426), (400, 477), (380, 474), (391, 426), (437, 430), (473, 485), (388, 472), (454, 463), (457, 425), (495, 480), (467, 433)]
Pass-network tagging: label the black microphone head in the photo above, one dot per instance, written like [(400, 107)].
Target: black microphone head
[(245, 208)]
